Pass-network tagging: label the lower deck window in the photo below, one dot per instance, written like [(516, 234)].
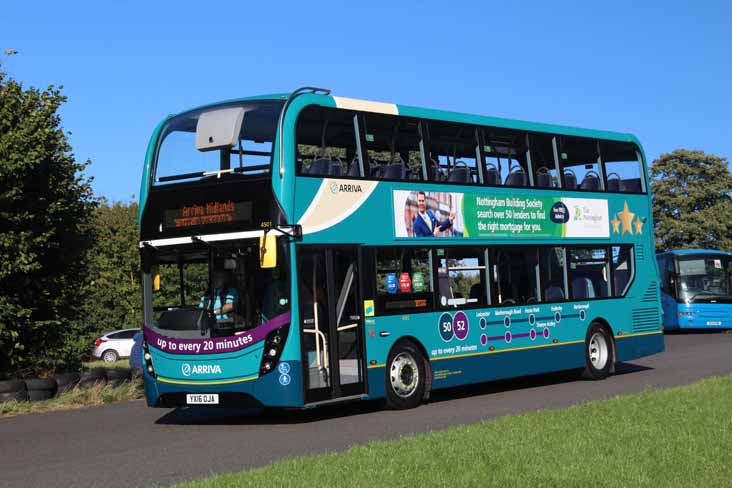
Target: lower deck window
[(404, 279), (461, 277)]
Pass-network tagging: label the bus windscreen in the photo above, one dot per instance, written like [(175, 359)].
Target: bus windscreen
[(178, 158)]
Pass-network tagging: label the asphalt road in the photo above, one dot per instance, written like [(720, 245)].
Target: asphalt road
[(129, 444)]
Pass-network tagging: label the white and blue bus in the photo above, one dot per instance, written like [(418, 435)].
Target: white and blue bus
[(696, 289)]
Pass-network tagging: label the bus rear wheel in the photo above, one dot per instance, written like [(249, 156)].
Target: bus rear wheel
[(405, 377), (598, 353)]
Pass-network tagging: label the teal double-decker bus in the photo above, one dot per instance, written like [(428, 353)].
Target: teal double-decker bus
[(304, 249)]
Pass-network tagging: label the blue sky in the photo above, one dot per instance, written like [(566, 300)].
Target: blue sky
[(659, 69)]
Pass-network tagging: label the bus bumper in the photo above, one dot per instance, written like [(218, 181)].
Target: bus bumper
[(275, 389)]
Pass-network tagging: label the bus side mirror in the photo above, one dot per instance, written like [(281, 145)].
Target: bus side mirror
[(268, 252)]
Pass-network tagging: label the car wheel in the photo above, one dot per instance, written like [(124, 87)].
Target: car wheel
[(405, 377), (110, 356), (598, 353)]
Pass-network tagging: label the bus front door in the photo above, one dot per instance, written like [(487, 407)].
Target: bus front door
[(331, 323)]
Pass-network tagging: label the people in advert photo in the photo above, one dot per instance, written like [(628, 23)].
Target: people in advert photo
[(430, 214)]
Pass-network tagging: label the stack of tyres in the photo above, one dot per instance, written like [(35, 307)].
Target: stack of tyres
[(93, 377), (40, 388), (13, 390), (66, 382), (117, 376)]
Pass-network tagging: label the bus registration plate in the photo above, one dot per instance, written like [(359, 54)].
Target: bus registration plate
[(714, 322), (202, 399)]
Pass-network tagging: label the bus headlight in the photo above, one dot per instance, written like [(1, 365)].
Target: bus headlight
[(274, 343)]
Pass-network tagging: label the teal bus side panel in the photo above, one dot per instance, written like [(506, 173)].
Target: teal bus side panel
[(477, 369), (636, 347), (490, 367)]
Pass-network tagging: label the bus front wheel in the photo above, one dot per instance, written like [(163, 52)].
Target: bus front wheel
[(598, 353), (405, 377)]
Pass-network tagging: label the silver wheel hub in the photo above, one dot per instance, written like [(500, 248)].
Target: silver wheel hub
[(599, 351), (404, 375)]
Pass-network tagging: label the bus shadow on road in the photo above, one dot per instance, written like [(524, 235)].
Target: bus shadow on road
[(273, 416), (526, 382)]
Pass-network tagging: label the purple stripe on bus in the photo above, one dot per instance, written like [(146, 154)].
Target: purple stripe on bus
[(520, 335), (212, 345), (496, 338)]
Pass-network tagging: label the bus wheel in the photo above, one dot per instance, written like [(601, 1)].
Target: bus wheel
[(598, 353), (405, 377)]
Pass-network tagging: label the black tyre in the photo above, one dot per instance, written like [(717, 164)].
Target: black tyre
[(11, 386), (405, 376), (598, 353), (38, 395), (96, 376), (118, 374), (40, 384), (66, 382), (40, 388), (110, 356), (18, 396)]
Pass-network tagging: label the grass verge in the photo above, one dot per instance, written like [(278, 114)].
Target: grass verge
[(120, 363), (76, 398), (675, 437)]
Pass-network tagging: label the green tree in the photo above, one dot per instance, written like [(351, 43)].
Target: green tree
[(45, 208), (113, 292), (692, 204)]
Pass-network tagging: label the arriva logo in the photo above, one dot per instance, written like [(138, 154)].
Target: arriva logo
[(336, 188), (188, 370)]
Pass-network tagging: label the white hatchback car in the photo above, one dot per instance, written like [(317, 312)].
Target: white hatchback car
[(114, 345)]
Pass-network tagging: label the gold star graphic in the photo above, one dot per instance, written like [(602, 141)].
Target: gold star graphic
[(616, 224), (626, 218), (638, 226)]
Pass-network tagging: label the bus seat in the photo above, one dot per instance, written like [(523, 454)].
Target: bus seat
[(620, 277), (393, 172), (554, 293), (582, 288), (435, 174), (543, 180), (477, 292), (590, 182), (354, 170), (570, 181), (491, 177), (613, 184), (631, 185), (517, 178), (459, 175), (320, 167), (335, 169)]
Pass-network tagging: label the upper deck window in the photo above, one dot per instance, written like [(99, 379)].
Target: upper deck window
[(623, 171), (453, 153), (580, 164), (178, 158), (506, 160), (391, 146), (326, 143)]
